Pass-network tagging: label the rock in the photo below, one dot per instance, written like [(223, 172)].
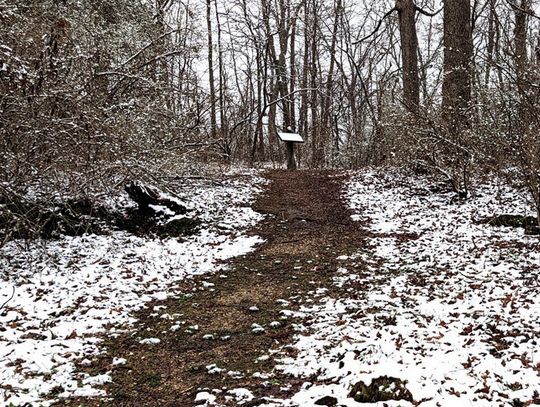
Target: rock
[(326, 401), (383, 388)]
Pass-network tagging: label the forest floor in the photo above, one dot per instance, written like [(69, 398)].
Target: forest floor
[(220, 334), (374, 287)]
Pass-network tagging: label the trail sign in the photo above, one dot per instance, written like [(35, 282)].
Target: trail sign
[(290, 139)]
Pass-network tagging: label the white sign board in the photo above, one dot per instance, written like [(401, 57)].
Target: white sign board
[(293, 137)]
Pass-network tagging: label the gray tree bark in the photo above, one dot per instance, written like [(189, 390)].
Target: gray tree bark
[(213, 120), (458, 49), (409, 53)]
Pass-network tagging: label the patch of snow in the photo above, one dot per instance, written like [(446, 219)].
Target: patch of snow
[(84, 391), (451, 306), (119, 361), (213, 369), (97, 380), (68, 291), (235, 374), (241, 394), (150, 341), (204, 397), (192, 329), (257, 329)]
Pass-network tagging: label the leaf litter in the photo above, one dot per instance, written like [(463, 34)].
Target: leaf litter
[(446, 310), (69, 291)]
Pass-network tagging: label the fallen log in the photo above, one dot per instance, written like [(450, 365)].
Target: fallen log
[(529, 223), (146, 195)]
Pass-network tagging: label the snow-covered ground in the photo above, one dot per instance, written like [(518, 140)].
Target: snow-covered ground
[(450, 305), (60, 295)]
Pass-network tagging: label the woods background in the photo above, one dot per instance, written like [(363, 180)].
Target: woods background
[(95, 92)]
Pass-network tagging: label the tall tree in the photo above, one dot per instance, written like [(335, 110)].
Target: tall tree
[(210, 44), (409, 53), (456, 94), (521, 11), (327, 97), (458, 49), (407, 10), (317, 145)]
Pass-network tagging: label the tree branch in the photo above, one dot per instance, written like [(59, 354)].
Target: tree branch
[(427, 13), (266, 106), (9, 299), (127, 61), (376, 28), (522, 10)]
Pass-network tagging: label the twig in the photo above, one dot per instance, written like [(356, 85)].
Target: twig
[(9, 299), (428, 13), (522, 10), (377, 27), (388, 13), (147, 46)]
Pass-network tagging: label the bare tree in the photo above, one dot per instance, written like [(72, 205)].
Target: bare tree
[(211, 80), (409, 53), (458, 50)]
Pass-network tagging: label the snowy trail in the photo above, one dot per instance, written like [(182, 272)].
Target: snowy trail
[(218, 344), (410, 286), (450, 306), (68, 292), (443, 307)]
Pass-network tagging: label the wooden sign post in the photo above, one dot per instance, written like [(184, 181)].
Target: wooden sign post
[(290, 139)]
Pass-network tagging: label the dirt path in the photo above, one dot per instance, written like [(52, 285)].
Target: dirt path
[(308, 228)]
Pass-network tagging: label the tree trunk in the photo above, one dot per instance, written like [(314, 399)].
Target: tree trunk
[(303, 119), (211, 70), (292, 80), (520, 43), (317, 143), (327, 98), (282, 79), (146, 195), (457, 38), (409, 53), (222, 91), (490, 41)]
